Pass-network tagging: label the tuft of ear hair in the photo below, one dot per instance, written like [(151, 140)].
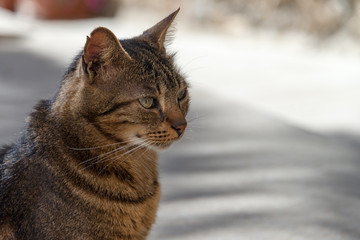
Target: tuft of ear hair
[(159, 33), (102, 48)]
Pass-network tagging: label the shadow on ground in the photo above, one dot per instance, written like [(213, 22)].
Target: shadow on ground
[(241, 174)]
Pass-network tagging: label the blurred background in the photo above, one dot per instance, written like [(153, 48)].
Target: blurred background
[(272, 147)]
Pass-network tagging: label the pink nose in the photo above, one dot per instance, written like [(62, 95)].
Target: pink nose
[(180, 127)]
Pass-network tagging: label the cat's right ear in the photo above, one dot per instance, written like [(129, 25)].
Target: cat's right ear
[(102, 49)]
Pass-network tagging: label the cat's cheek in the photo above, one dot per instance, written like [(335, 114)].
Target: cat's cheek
[(135, 132)]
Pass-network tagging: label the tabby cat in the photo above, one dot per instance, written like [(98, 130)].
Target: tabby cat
[(85, 166)]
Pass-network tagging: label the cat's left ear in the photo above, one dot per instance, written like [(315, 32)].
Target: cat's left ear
[(157, 35), (102, 49)]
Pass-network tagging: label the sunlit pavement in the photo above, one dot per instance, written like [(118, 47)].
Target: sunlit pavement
[(238, 173)]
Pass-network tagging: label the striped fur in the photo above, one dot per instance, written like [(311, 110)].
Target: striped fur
[(86, 164)]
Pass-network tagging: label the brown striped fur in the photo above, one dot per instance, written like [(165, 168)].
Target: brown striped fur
[(86, 164)]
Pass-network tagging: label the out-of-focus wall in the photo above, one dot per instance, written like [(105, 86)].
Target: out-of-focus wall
[(322, 18), (62, 9)]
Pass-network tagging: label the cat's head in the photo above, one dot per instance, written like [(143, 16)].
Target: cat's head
[(130, 90)]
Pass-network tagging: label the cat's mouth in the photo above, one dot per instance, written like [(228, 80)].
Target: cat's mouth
[(160, 144), (157, 142)]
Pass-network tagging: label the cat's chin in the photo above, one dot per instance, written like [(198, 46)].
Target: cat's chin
[(159, 147)]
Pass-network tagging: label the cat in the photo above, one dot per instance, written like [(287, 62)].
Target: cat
[(85, 166)]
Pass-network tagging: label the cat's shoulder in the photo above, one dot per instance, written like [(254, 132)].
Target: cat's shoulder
[(37, 116), (3, 151)]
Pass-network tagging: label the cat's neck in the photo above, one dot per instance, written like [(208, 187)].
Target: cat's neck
[(94, 154), (112, 169)]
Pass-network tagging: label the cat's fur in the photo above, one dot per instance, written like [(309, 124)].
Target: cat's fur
[(85, 166)]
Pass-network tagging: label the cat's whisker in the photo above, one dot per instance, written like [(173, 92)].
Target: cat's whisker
[(143, 145), (197, 117), (189, 137), (91, 148), (96, 162), (195, 123), (147, 158), (102, 146), (196, 126), (104, 155), (146, 150), (133, 150)]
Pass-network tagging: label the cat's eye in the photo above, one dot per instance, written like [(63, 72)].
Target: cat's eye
[(146, 102), (182, 95)]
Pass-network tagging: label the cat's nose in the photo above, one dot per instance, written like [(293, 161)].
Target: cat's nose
[(179, 127), (177, 121)]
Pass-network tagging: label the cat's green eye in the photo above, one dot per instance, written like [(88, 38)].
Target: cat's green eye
[(146, 102), (182, 95)]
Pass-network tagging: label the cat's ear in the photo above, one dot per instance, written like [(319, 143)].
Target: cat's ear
[(101, 49), (157, 34)]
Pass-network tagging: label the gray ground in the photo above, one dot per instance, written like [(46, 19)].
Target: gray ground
[(237, 174)]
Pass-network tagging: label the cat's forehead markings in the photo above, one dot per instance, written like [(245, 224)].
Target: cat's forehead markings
[(160, 67), (162, 102), (143, 91), (158, 88), (163, 96)]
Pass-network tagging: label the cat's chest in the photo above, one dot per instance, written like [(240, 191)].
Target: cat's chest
[(95, 218), (124, 219)]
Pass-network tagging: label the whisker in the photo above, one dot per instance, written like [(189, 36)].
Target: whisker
[(143, 144), (135, 149), (102, 157), (187, 136), (107, 155), (198, 126), (197, 117), (102, 146)]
